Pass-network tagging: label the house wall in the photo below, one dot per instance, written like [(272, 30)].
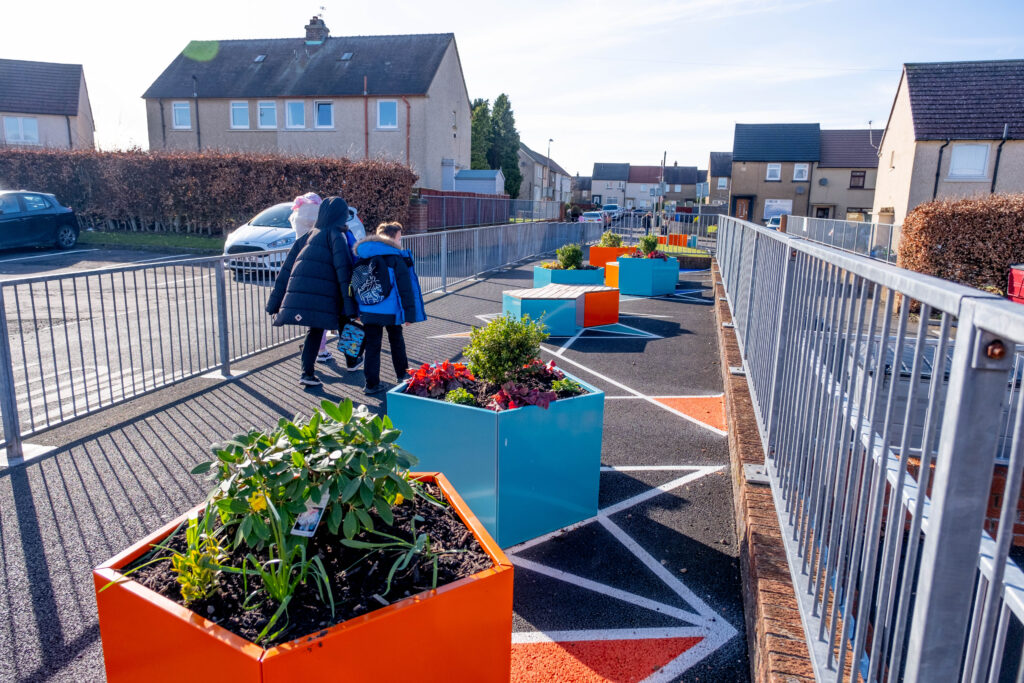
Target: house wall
[(896, 162), (639, 195), (83, 126), (53, 130), (748, 179), (616, 194), (480, 185), (444, 131), (838, 194), (530, 187), (714, 194)]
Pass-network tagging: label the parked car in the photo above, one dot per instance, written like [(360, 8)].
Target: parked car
[(774, 222), (613, 210), (269, 230), (36, 219), (592, 217)]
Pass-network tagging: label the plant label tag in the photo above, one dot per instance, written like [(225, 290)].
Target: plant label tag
[(306, 523)]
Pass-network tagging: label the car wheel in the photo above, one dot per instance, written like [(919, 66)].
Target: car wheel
[(67, 237)]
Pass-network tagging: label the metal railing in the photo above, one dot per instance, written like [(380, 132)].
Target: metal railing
[(76, 343), (883, 397), (704, 228), (877, 240), (445, 211)]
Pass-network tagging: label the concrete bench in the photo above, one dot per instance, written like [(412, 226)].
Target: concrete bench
[(565, 308)]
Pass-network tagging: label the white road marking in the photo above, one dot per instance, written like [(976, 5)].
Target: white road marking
[(162, 258), (526, 637), (647, 468), (47, 255)]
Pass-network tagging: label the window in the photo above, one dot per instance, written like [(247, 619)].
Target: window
[(239, 114), (23, 130), (607, 186), (774, 172), (643, 188), (800, 172), (586, 193), (181, 115), (295, 114), (35, 202), (857, 179), (968, 162), (324, 114), (268, 114), (387, 114), (723, 183), (679, 188), (538, 171), (9, 204)]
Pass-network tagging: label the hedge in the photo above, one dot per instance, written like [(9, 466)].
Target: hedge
[(970, 241), (203, 193)]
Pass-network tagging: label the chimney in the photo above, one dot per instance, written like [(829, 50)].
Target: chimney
[(675, 163), (316, 31)]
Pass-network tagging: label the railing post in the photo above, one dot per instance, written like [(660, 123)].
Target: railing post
[(781, 341), (476, 252), (501, 246), (8, 406), (224, 348), (444, 261), (750, 294), (963, 477)]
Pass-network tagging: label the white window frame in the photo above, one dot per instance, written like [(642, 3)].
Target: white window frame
[(240, 106), (643, 188), (382, 127), (538, 171), (20, 139), (181, 106), (260, 106), (316, 114), (806, 168), (723, 183), (953, 175), (679, 188), (288, 123), (768, 173)]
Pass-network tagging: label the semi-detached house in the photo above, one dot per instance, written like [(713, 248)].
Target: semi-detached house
[(43, 104), (608, 183), (399, 97)]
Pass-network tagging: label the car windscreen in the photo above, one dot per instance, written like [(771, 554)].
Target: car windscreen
[(609, 207), (591, 214), (274, 217)]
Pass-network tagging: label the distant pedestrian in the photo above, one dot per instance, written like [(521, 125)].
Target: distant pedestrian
[(311, 289), (385, 286)]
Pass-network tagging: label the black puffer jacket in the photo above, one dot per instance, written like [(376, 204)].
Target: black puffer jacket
[(312, 287)]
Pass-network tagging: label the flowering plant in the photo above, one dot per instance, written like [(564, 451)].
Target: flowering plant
[(654, 254), (513, 395), (543, 371), (433, 381)]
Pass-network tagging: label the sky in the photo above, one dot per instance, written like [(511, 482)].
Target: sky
[(607, 81)]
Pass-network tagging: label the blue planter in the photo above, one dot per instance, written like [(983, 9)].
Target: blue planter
[(546, 276), (647, 276), (523, 472), (558, 315)]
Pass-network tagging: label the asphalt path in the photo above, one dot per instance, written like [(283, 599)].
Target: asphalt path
[(652, 582)]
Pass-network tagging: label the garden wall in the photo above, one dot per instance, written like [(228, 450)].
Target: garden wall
[(205, 193)]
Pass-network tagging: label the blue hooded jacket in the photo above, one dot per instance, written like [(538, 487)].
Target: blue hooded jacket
[(404, 302)]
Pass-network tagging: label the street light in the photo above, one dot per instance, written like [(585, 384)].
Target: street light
[(548, 176)]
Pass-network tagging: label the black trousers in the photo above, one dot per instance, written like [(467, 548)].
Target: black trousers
[(310, 348), (374, 339)]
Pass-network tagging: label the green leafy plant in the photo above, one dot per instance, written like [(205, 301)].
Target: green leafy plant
[(570, 256), (566, 386), (648, 244), (198, 567), (610, 239), (460, 396), (499, 350)]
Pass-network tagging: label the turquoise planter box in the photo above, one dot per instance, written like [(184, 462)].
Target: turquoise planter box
[(546, 276), (559, 315), (523, 472), (647, 276)]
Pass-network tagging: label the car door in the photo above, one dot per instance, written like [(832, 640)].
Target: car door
[(41, 220), (12, 222)]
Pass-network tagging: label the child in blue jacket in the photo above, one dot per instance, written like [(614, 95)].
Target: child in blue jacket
[(385, 286)]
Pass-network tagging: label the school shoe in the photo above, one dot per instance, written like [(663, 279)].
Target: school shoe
[(370, 391), (357, 366), (324, 357), (310, 381)]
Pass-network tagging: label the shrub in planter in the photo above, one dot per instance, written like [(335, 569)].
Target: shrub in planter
[(648, 244), (644, 272), (610, 239), (315, 542), (568, 269), (527, 452)]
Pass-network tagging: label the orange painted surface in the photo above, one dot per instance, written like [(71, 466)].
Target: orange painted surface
[(611, 275), (673, 240), (707, 409), (599, 256), (174, 642), (595, 661), (600, 308)]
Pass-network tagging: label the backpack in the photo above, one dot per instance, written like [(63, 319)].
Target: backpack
[(371, 281)]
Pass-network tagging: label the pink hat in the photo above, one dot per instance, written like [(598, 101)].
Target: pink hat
[(308, 198)]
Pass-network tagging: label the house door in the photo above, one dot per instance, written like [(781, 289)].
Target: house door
[(743, 208), (821, 212)]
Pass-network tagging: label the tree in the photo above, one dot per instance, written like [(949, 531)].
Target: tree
[(481, 134), (504, 152)]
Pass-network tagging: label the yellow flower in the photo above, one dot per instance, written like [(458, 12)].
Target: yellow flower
[(399, 498), (258, 501)]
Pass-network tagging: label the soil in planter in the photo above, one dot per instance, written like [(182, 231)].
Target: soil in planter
[(558, 267), (354, 581), (484, 391)]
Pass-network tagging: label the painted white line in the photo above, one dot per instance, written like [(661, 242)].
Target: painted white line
[(649, 468), (161, 258), (716, 638), (526, 637), (641, 315), (701, 471), (569, 342), (620, 385), (46, 255), (618, 594), (668, 397), (525, 545)]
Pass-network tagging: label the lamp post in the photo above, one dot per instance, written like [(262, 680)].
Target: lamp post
[(547, 177)]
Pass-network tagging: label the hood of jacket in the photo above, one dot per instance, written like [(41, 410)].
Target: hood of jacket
[(376, 245), (333, 214)]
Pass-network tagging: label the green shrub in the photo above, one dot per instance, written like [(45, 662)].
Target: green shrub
[(496, 352), (570, 256), (610, 239), (460, 396), (566, 385), (648, 243)]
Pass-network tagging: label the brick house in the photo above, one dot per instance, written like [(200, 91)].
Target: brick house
[(719, 177), (397, 97), (44, 104)]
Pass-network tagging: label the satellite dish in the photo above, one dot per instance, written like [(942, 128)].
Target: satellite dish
[(823, 181), (800, 189)]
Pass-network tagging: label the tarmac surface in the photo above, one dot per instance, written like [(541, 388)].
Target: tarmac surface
[(647, 590)]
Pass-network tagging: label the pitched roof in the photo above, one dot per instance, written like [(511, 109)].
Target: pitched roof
[(850, 148), (720, 165), (681, 175), (702, 176), (776, 142), (610, 172), (966, 100), (39, 87), (645, 174), (477, 174), (543, 160), (392, 65), (581, 182)]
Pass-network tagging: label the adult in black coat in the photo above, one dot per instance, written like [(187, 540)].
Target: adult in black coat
[(312, 288)]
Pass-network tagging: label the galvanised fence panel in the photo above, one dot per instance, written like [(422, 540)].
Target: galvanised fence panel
[(884, 398), (450, 211), (76, 343), (877, 240)]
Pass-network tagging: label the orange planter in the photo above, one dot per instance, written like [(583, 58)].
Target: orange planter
[(599, 256), (459, 632), (673, 240)]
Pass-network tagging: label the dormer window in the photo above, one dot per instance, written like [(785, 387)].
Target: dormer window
[(259, 58), (345, 57)]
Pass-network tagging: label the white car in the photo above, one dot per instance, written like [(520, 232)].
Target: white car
[(613, 210), (774, 223), (592, 217), (270, 231)]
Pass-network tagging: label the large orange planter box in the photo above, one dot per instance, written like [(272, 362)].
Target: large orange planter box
[(459, 632), (599, 256)]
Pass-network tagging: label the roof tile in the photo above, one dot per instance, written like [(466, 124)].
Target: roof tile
[(776, 142), (39, 87), (850, 148), (966, 100)]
